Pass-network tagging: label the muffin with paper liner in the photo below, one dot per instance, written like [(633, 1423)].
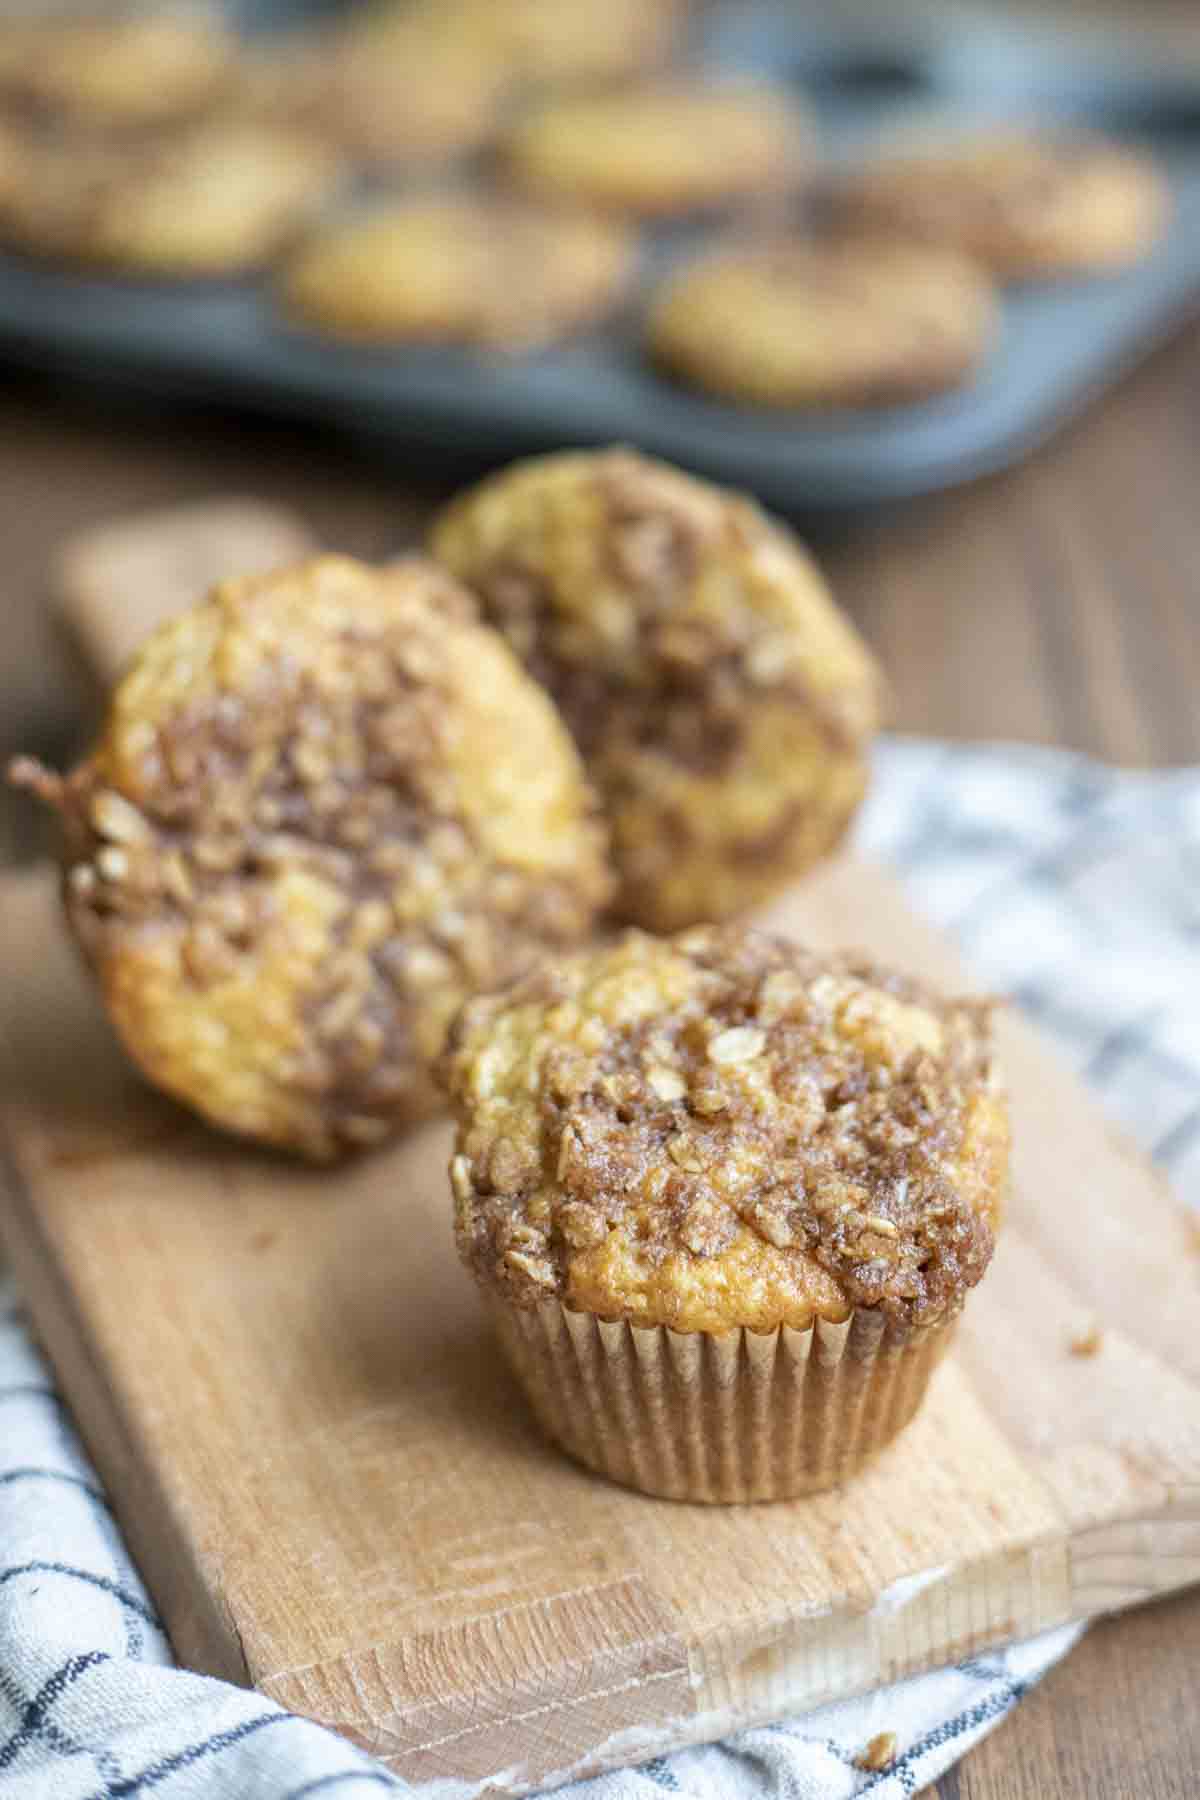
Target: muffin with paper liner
[(726, 1198)]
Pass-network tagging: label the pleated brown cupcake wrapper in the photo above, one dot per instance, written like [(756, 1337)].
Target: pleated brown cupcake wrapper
[(720, 1417)]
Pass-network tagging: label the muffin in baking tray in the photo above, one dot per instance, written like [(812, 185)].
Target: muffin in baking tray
[(556, 42), (326, 805), (845, 321), (668, 148), (458, 268), (213, 199), (1024, 202), (400, 84), (115, 73), (726, 1199), (723, 705), (388, 95)]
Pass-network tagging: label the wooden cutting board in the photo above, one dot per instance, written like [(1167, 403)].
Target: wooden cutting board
[(335, 1492)]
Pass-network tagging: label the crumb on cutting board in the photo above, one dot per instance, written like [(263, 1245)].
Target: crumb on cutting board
[(879, 1754), (1088, 1342)]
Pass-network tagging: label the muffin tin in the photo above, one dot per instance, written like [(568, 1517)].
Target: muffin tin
[(1060, 342)]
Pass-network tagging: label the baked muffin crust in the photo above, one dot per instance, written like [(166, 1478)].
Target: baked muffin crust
[(326, 806), (722, 703), (724, 1130)]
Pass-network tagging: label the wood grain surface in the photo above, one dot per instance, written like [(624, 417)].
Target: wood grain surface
[(115, 582), (335, 1492), (1069, 583)]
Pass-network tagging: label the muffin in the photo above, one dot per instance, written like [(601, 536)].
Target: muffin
[(148, 69), (552, 42), (458, 270), (725, 1199), (215, 199), (389, 94), (723, 704), (679, 147), (849, 322), (325, 807), (1024, 203)]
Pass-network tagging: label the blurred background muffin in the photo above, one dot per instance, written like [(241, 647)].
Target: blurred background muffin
[(859, 321), (723, 705), (1024, 203), (392, 92), (116, 72), (455, 268), (536, 42), (549, 42), (211, 200), (667, 149), (690, 181)]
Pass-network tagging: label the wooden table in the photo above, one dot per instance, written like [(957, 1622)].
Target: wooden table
[(1058, 603)]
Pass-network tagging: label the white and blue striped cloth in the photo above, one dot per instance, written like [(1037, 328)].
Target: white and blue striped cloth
[(1073, 887)]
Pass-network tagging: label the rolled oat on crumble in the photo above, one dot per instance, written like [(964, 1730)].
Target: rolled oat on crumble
[(724, 1130)]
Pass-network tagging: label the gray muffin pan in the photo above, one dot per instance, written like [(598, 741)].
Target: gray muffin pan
[(1059, 345)]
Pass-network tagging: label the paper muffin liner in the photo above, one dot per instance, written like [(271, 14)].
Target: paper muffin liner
[(720, 1417)]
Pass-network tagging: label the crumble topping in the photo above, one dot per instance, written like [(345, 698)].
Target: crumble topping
[(724, 1129)]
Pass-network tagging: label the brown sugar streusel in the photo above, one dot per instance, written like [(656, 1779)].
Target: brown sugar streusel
[(325, 807), (723, 705), (723, 1130)]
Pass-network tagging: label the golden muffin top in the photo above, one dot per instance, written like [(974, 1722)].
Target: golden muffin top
[(723, 1129)]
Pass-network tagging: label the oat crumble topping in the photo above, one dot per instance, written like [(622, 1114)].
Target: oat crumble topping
[(724, 1129)]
